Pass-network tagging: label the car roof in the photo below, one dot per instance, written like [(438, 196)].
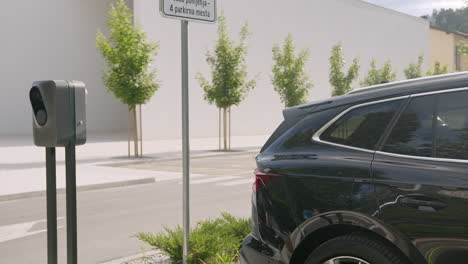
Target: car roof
[(384, 91)]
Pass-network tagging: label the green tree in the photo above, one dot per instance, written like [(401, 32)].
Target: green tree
[(290, 78), (438, 69), (338, 79), (128, 55), (229, 82), (415, 70), (462, 48), (377, 76), (450, 19)]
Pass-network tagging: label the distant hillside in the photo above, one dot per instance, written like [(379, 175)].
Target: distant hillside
[(450, 19)]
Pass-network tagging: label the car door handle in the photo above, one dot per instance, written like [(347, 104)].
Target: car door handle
[(422, 202)]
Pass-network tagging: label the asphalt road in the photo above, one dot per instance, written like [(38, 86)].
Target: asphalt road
[(107, 219)]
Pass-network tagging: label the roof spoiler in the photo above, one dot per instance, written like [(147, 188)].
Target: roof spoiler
[(416, 80), (302, 110)]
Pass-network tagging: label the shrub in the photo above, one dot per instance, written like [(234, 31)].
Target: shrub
[(211, 241)]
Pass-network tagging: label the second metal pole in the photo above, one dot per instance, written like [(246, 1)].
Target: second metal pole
[(72, 241), (51, 207), (185, 141)]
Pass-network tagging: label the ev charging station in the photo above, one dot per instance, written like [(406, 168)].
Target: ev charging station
[(59, 120)]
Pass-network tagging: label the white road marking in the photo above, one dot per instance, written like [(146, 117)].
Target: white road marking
[(178, 177), (216, 179), (15, 231), (238, 182)]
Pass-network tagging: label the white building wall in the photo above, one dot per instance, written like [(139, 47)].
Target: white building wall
[(365, 30), (53, 39)]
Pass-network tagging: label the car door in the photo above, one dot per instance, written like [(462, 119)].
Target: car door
[(421, 175), (325, 165), (352, 138)]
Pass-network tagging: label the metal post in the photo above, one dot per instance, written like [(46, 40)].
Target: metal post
[(72, 243), (185, 141), (51, 191)]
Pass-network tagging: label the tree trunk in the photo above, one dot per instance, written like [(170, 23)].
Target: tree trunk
[(128, 130), (225, 128), (229, 128), (135, 131), (141, 133), (219, 129)]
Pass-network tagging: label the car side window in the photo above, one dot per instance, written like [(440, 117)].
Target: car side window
[(451, 132), (363, 126), (412, 134)]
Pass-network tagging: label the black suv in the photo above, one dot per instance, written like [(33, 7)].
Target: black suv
[(378, 176)]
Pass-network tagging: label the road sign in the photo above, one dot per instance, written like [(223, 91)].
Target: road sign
[(194, 10)]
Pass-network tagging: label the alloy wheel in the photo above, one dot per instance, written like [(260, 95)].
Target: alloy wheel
[(345, 260)]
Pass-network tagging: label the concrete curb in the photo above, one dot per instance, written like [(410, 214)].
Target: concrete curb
[(18, 196), (161, 260)]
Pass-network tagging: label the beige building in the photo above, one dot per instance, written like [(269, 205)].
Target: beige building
[(444, 48)]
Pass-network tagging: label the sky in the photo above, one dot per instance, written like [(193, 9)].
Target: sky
[(418, 7)]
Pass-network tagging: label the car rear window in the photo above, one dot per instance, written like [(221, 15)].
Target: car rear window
[(363, 126), (432, 126), (451, 135), (412, 134)]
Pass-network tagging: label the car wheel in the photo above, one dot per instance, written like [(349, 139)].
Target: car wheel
[(354, 249)]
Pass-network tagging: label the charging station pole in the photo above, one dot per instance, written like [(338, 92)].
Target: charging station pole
[(72, 241), (70, 171), (51, 190), (51, 129)]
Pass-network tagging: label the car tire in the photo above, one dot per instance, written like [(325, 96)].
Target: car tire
[(355, 249)]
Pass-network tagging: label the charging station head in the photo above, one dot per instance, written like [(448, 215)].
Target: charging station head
[(59, 113)]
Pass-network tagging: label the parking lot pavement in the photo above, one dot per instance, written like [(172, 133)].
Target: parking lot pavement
[(22, 168), (223, 170), (109, 218)]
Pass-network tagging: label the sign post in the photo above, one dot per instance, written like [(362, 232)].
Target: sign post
[(185, 140), (198, 11)]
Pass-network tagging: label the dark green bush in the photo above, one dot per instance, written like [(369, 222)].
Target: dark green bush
[(211, 241)]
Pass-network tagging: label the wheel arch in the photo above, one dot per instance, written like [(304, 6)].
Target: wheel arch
[(322, 228)]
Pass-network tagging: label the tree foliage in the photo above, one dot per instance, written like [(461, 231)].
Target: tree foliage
[(229, 79), (450, 19), (462, 48), (128, 55), (340, 81), (377, 76), (290, 78), (438, 69), (415, 70)]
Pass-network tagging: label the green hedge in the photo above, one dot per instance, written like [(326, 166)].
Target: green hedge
[(211, 241)]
